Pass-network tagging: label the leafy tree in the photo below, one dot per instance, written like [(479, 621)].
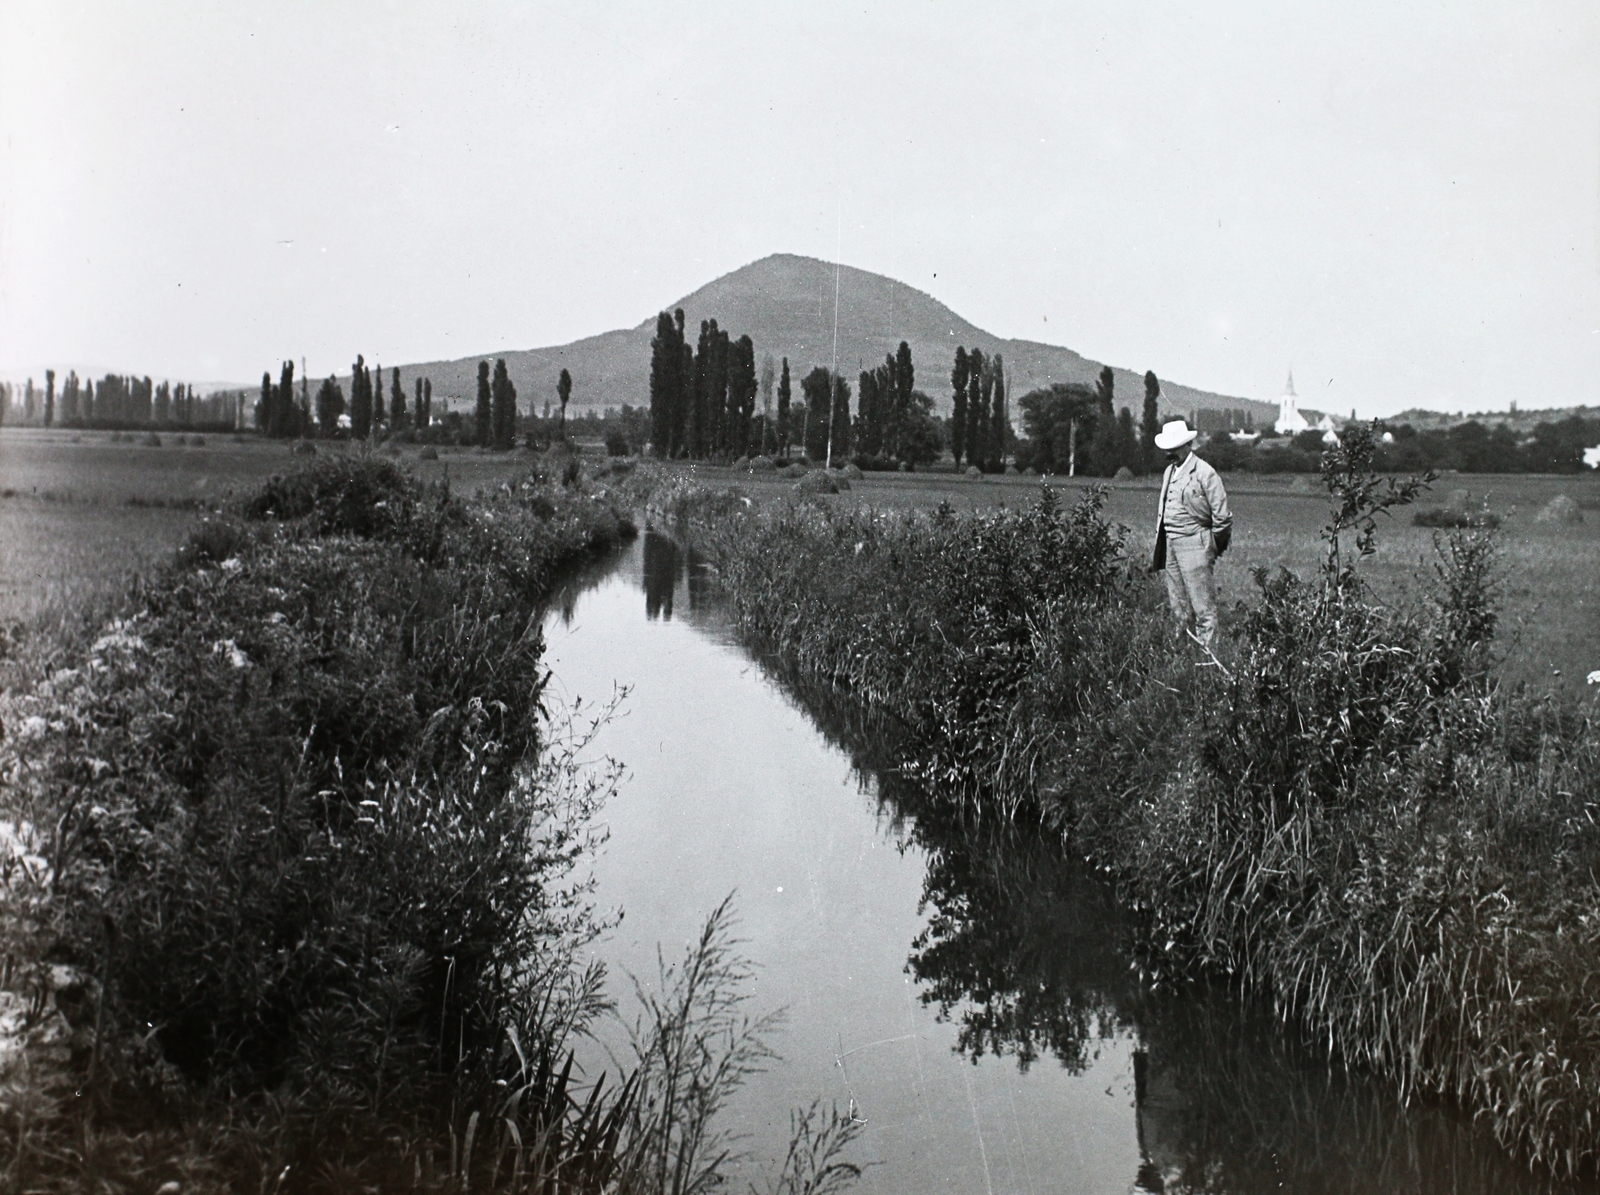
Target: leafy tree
[(416, 402), (1127, 441), (769, 375), (839, 407), (815, 433), (1057, 420), (783, 409), (427, 402), (49, 397), (958, 414), (1150, 423), (330, 405), (564, 392), (503, 407), (484, 411)]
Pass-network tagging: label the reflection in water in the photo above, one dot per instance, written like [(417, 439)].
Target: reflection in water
[(1030, 956), (666, 566), (1027, 957)]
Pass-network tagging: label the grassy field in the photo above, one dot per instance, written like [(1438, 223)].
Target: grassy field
[(1550, 621), (80, 515)]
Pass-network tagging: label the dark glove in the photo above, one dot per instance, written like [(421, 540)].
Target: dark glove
[(1222, 539)]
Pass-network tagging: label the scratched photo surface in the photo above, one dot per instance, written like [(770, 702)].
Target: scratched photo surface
[(510, 511)]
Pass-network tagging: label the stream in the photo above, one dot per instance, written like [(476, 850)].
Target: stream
[(966, 989)]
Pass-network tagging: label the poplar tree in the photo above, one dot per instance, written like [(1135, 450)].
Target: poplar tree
[(416, 402), (49, 397), (783, 409), (397, 402), (503, 407), (427, 401), (564, 391), (664, 358), (904, 383), (264, 406), (484, 410), (1150, 422), (742, 386), (868, 440), (997, 423), (1105, 423), (977, 408), (958, 413)]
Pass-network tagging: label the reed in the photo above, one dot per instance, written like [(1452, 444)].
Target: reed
[(1340, 812)]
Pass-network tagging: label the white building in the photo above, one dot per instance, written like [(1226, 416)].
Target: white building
[(1290, 420)]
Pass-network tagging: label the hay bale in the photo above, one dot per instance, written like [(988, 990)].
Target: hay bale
[(795, 470), (742, 464), (851, 472), (430, 453), (1301, 484), (307, 448), (152, 441), (1123, 474), (1560, 509), (817, 483), (974, 471), (1030, 471), (762, 464)]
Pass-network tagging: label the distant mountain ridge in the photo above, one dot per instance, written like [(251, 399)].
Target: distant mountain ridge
[(784, 303)]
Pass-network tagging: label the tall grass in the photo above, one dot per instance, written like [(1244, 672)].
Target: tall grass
[(1341, 812)]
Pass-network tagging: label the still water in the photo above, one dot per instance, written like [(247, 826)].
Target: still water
[(966, 989)]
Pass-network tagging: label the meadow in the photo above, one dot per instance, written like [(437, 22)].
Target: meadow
[(81, 515)]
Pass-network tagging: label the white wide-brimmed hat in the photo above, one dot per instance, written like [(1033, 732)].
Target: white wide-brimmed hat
[(1174, 434)]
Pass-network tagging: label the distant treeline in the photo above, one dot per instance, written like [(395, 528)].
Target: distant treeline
[(1468, 447), (117, 404), (1072, 429)]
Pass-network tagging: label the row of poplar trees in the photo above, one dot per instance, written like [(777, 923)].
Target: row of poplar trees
[(703, 398), (980, 423), (281, 413)]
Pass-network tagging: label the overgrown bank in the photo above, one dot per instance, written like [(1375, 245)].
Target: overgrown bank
[(1342, 813), (291, 897)]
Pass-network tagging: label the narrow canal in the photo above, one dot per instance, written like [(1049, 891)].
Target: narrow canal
[(966, 989)]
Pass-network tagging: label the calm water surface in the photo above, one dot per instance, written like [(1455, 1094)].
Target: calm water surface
[(969, 989)]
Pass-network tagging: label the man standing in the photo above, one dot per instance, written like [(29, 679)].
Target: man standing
[(1193, 527)]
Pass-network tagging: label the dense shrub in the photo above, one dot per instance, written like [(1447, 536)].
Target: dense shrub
[(950, 624), (298, 823)]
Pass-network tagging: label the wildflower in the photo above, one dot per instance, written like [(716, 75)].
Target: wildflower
[(227, 647)]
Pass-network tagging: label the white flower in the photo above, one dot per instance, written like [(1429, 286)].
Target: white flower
[(1594, 677), (231, 565), (227, 647)]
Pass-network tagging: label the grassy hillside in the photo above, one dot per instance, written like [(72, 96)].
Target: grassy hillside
[(785, 303)]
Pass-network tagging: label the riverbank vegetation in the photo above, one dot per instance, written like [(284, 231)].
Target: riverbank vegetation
[(1340, 812), (293, 888)]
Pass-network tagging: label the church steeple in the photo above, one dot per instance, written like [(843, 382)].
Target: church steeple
[(1288, 387)]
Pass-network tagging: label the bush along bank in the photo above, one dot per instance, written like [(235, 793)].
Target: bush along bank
[(1341, 812), (292, 849), (960, 628)]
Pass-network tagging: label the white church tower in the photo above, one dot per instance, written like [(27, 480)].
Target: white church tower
[(1290, 420)]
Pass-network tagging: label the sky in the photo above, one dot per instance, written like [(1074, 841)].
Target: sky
[(1401, 202)]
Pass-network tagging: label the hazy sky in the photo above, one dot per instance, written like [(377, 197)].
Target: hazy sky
[(1399, 200)]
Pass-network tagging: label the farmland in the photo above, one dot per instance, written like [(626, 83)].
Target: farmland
[(80, 515)]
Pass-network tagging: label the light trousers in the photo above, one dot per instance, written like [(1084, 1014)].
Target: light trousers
[(1191, 584)]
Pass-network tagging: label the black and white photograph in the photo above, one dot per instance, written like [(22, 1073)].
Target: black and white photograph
[(799, 598)]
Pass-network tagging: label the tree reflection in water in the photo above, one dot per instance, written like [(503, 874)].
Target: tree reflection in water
[(1031, 957)]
